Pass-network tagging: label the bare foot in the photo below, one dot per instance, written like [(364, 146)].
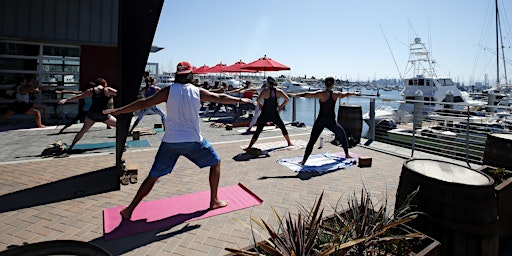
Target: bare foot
[(219, 204), (125, 214), (41, 126), (348, 156), (301, 162)]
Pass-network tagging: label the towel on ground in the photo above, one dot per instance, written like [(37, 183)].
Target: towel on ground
[(279, 146), (324, 162)]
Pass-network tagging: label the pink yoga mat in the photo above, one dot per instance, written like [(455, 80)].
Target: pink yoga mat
[(169, 212)]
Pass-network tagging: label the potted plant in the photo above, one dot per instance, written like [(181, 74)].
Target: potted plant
[(503, 188), (360, 229)]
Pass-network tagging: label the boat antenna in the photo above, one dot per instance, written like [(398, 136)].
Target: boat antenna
[(392, 55)]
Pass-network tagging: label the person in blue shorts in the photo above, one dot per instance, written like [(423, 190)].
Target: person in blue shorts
[(326, 116), (182, 135)]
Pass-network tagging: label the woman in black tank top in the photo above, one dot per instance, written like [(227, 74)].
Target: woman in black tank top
[(326, 117), (100, 95), (270, 111)]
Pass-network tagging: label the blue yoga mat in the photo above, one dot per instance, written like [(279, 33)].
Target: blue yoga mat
[(158, 129), (100, 145)]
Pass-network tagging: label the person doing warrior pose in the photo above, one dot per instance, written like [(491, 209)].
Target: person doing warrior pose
[(326, 117)]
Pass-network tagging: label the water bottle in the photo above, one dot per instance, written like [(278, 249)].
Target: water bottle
[(321, 143)]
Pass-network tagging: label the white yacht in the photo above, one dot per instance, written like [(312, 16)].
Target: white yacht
[(164, 80), (391, 113), (435, 89), (290, 86)]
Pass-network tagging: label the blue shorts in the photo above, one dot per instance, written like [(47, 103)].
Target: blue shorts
[(200, 153)]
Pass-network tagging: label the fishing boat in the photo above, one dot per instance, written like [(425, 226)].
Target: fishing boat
[(425, 82)]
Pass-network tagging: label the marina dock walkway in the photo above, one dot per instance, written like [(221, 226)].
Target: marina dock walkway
[(44, 199)]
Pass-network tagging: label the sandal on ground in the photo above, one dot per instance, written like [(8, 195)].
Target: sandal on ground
[(124, 179), (133, 177)]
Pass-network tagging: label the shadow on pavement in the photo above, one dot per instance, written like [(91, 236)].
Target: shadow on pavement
[(87, 184), (247, 156), (126, 244), (300, 175)]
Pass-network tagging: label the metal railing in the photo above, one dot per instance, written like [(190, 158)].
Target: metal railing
[(458, 134)]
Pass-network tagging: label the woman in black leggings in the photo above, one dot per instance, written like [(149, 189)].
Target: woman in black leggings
[(326, 117), (270, 110)]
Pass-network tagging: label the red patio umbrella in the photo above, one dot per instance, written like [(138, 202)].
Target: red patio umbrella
[(237, 68), (265, 64), (219, 68), (201, 69)]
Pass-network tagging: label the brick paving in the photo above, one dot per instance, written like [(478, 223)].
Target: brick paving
[(63, 198)]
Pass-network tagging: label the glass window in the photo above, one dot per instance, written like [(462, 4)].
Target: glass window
[(60, 51), (19, 49), (458, 99), (18, 63), (52, 67)]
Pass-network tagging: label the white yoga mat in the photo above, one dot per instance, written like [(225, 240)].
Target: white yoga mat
[(324, 162), (280, 145)]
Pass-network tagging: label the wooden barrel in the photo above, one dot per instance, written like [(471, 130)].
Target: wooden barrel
[(459, 204), (351, 118), (498, 150)]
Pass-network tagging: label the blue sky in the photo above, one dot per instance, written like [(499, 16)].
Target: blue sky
[(336, 38)]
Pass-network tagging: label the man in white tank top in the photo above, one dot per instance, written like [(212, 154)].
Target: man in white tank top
[(182, 135)]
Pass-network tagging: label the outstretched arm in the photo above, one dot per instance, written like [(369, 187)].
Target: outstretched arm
[(221, 97), (109, 91), (307, 94), (68, 91), (157, 98), (87, 93), (29, 89), (340, 95)]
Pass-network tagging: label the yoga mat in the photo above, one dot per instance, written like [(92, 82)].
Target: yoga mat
[(158, 129), (131, 143), (324, 162), (169, 212), (144, 131), (278, 146), (253, 129), (53, 127)]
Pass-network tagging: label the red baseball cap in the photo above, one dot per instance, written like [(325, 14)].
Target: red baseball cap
[(183, 67)]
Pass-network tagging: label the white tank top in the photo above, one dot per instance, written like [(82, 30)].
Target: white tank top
[(21, 97), (182, 122)]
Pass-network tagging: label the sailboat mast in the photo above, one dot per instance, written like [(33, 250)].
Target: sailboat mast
[(497, 45)]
